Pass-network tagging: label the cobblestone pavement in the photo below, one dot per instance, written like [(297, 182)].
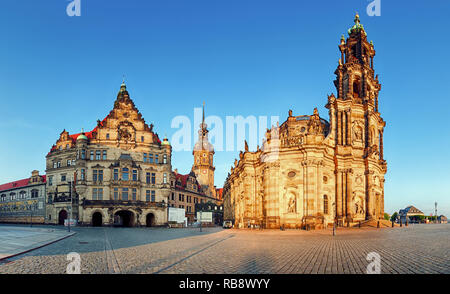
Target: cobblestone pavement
[(412, 249), (18, 239)]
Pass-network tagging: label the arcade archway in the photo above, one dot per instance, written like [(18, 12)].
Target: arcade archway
[(150, 220), (97, 219), (124, 218), (62, 217)]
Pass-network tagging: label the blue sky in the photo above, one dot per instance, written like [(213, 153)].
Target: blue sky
[(242, 57)]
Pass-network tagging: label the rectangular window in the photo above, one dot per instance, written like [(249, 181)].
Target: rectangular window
[(94, 175), (150, 158), (147, 178), (134, 175), (165, 178), (134, 194), (116, 193), (124, 193), (156, 158), (147, 195), (94, 193), (179, 197), (165, 158), (153, 196), (116, 174), (50, 180), (69, 162), (100, 194), (98, 155), (104, 154), (83, 154), (173, 196), (91, 157), (142, 138), (153, 178), (107, 136), (58, 164), (54, 165), (145, 157), (83, 174), (100, 175), (125, 174)]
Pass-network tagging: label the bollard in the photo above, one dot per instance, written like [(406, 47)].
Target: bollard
[(406, 223), (392, 223), (401, 225), (378, 224)]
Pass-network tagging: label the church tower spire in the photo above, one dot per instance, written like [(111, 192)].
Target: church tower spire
[(204, 158), (357, 127)]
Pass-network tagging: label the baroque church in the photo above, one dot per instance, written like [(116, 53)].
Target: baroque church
[(310, 172)]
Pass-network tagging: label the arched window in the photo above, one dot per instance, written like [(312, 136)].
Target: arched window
[(325, 204)]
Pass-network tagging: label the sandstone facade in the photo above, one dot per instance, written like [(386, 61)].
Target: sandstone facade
[(311, 172)]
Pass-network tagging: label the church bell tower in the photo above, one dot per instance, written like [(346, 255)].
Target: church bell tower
[(357, 131), (203, 159)]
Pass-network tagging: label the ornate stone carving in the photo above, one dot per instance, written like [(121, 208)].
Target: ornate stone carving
[(291, 205), (314, 125)]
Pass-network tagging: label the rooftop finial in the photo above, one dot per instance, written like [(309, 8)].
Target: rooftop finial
[(357, 27), (123, 86), (357, 18)]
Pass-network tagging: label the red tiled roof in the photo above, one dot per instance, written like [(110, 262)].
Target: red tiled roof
[(19, 184), (183, 179)]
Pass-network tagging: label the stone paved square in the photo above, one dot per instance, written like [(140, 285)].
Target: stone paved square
[(414, 249)]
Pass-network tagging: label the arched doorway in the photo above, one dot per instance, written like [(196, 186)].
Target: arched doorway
[(97, 219), (150, 220), (124, 218), (61, 217)]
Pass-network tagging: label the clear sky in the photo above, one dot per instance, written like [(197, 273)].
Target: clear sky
[(242, 57)]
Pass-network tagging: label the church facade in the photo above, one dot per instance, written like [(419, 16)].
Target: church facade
[(311, 172)]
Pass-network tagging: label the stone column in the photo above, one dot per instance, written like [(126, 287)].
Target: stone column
[(339, 127), (349, 127), (369, 195), (381, 145), (338, 194), (344, 128), (349, 194)]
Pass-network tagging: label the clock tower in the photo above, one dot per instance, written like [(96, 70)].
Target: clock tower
[(203, 159)]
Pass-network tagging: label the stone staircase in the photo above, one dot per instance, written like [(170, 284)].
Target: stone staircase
[(374, 224)]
